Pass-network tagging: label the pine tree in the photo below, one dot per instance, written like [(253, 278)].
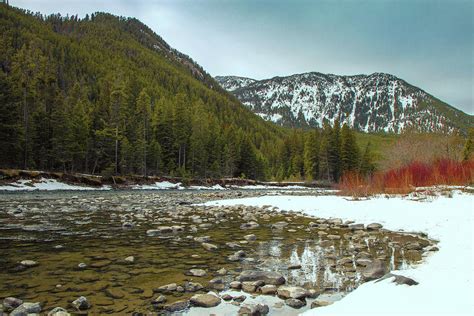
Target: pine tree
[(143, 115), (334, 151), (324, 152), (10, 129), (311, 155), (118, 99), (469, 145), (349, 150), (367, 166), (24, 72)]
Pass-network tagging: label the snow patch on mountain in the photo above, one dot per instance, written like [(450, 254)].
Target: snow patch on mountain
[(232, 83), (370, 103)]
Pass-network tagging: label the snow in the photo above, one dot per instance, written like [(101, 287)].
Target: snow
[(214, 187), (378, 102), (269, 187), (163, 185), (44, 184), (445, 277)]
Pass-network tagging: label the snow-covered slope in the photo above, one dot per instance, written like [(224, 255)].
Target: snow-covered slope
[(371, 103), (232, 83)]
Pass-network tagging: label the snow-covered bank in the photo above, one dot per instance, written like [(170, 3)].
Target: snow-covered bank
[(446, 277), (43, 184)]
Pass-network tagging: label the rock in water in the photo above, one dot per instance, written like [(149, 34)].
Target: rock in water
[(29, 263), (197, 272), (26, 309), (58, 311), (286, 292), (209, 247), (269, 277), (81, 304), (176, 306), (205, 300), (10, 303), (295, 303), (268, 289), (254, 310)]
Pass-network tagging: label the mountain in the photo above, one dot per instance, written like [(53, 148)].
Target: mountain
[(370, 103), (232, 83), (106, 95)]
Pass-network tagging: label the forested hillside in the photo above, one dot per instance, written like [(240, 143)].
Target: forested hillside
[(106, 95)]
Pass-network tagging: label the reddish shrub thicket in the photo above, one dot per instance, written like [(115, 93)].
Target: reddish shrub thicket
[(407, 178)]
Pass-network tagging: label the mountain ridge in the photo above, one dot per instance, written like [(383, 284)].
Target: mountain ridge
[(371, 103)]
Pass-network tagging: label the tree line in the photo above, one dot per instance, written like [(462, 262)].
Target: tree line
[(92, 95)]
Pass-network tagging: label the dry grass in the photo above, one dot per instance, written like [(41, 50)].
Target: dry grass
[(405, 179)]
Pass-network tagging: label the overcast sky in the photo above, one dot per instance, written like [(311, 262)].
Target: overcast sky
[(429, 43)]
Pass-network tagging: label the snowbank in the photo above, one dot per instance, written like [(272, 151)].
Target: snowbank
[(164, 185), (445, 277), (268, 187), (214, 187), (46, 185)]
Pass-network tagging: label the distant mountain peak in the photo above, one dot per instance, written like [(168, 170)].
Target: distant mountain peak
[(371, 103)]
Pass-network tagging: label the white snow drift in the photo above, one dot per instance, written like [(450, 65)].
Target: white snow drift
[(445, 277)]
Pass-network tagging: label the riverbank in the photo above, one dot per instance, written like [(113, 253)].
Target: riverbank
[(445, 278), (17, 180)]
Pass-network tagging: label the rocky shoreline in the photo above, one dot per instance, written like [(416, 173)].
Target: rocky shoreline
[(135, 252)]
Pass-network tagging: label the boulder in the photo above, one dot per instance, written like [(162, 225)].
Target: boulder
[(81, 303), (254, 310), (374, 226), (374, 270), (161, 299), (320, 303), (10, 303), (29, 263), (166, 288), (285, 292), (205, 300), (202, 239), (239, 298), (279, 225), (176, 306), (227, 297), (58, 311), (26, 309), (295, 303), (249, 225), (197, 272), (250, 237), (269, 277), (192, 286), (268, 289), (356, 227), (399, 279), (209, 247), (159, 231)]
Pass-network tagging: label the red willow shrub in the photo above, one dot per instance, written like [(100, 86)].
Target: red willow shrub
[(407, 178)]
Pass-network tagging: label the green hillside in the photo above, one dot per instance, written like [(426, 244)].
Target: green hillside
[(105, 94)]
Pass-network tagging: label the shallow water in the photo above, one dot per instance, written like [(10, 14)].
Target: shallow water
[(59, 230)]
